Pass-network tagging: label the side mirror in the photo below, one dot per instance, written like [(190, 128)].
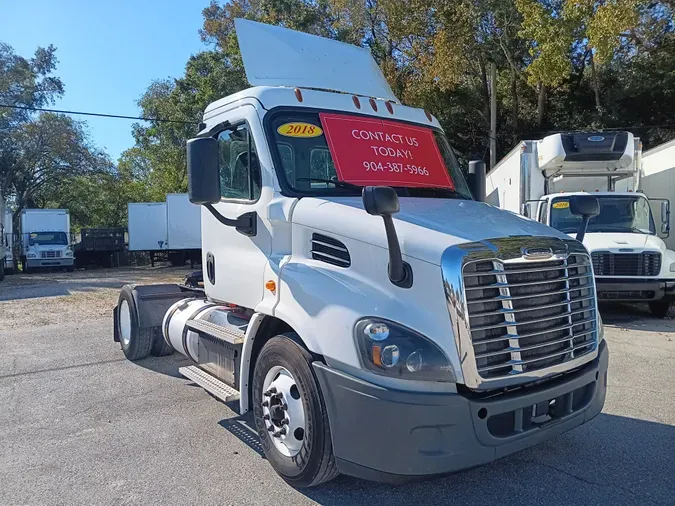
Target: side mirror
[(585, 206), (477, 179), (383, 201), (665, 216), (202, 169), (380, 200)]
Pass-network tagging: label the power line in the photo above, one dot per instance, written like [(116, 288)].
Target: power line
[(98, 114)]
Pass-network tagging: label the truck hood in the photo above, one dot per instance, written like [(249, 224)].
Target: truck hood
[(620, 242), (425, 227)]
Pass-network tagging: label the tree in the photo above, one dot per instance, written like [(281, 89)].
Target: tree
[(23, 83), (161, 145)]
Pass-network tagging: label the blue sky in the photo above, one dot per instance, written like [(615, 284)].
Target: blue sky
[(108, 51)]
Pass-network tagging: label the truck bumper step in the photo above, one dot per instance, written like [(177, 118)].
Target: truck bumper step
[(209, 383)]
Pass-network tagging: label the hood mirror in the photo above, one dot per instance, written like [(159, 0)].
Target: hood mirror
[(383, 201), (585, 206)]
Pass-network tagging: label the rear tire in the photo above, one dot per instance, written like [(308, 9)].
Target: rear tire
[(2, 271), (135, 342), (662, 309), (313, 462), (160, 348)]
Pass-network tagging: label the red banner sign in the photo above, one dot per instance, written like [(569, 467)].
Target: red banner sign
[(371, 151)]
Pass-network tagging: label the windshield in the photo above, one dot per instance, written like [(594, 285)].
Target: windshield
[(307, 166), (617, 214), (48, 238)]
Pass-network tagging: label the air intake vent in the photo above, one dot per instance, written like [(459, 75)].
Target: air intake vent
[(330, 250)]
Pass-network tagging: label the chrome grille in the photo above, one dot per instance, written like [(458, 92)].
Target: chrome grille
[(626, 264), (50, 254), (529, 315)]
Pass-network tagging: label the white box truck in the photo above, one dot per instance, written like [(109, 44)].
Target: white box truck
[(45, 239), (657, 180), (5, 249), (537, 178), (170, 229), (8, 237), (376, 320)]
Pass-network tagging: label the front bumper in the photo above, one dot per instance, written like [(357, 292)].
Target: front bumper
[(628, 289), (394, 436), (36, 263)]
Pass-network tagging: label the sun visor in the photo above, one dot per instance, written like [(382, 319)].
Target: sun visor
[(275, 56)]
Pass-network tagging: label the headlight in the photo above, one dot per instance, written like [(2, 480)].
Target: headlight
[(31, 255), (392, 350), (601, 329), (672, 267), (69, 253)]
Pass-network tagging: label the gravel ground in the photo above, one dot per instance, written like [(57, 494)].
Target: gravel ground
[(81, 425)]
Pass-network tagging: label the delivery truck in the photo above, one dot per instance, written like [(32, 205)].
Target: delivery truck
[(656, 178), (8, 237), (375, 318), (631, 262), (45, 239), (4, 239)]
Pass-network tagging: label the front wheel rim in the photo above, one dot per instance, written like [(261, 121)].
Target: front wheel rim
[(283, 411)]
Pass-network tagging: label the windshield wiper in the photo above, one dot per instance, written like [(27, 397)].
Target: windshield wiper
[(336, 182)]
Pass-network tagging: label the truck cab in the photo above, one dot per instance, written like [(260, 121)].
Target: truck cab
[(375, 319), (630, 260)]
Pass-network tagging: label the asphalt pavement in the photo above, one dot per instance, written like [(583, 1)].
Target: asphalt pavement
[(81, 425)]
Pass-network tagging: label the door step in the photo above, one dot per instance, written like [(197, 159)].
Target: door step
[(232, 336), (209, 383)]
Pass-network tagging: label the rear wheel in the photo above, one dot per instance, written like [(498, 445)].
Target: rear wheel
[(136, 342), (662, 309), (290, 414)]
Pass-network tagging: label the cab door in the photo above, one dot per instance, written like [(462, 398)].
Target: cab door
[(234, 262)]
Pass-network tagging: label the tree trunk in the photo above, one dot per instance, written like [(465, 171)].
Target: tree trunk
[(541, 104), (514, 100), (485, 90), (596, 86)]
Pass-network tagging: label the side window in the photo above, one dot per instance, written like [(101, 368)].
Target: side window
[(240, 176), (543, 212)]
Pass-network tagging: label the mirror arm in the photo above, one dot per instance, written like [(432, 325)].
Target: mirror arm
[(582, 228), (400, 272), (246, 224)]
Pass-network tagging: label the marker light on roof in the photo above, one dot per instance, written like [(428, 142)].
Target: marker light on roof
[(428, 115), (390, 107), (373, 104), (355, 99), (298, 94)]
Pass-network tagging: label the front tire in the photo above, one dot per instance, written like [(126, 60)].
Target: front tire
[(662, 309), (136, 342), (290, 414)]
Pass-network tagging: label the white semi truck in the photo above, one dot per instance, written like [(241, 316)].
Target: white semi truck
[(631, 261), (45, 239), (375, 319)]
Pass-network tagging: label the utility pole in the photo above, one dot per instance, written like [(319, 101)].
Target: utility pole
[(493, 115)]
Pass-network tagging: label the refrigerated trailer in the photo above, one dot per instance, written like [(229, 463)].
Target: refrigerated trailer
[(375, 319), (170, 230), (631, 262)]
